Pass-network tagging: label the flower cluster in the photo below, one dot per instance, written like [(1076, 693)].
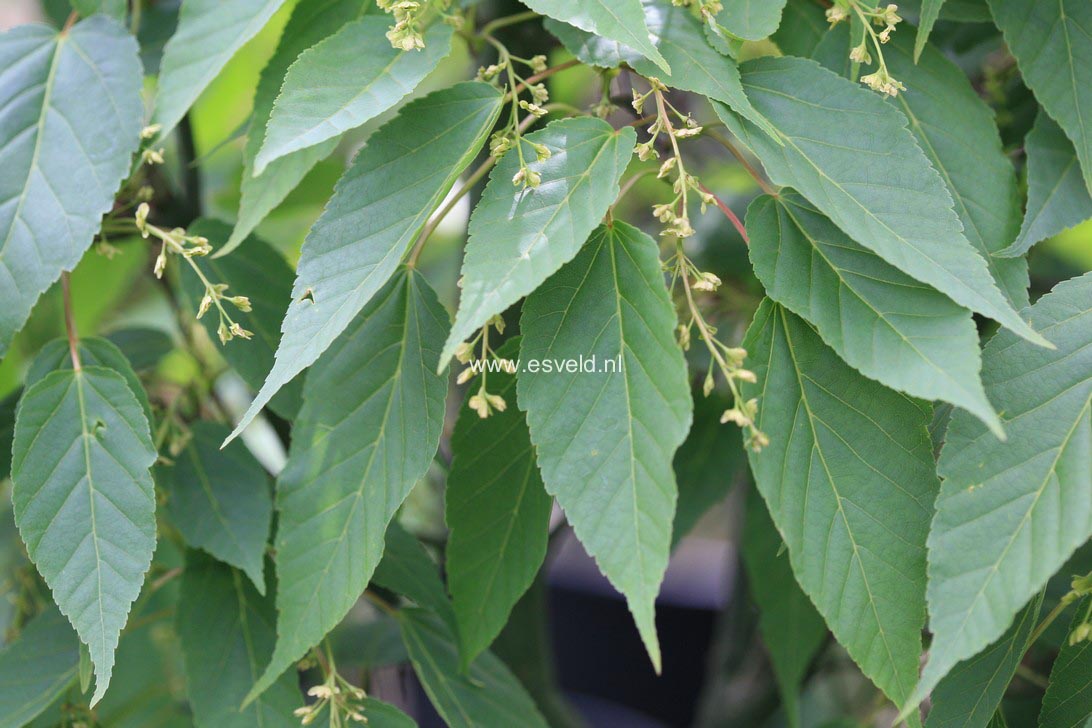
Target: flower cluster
[(881, 80), (510, 136), (483, 402), (410, 19), (178, 242), (674, 214), (728, 360), (345, 700)]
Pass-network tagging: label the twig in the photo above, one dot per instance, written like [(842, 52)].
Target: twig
[(532, 80), (70, 323), (72, 18), (475, 177), (729, 214), (495, 25), (723, 141)]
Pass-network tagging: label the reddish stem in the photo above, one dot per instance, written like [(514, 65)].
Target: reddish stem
[(730, 215)]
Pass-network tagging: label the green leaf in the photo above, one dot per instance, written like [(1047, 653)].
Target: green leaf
[(791, 629), (407, 569), (498, 514), (621, 21), (116, 9), (93, 352), (849, 480), (882, 322), (72, 115), (956, 130), (371, 419), (518, 237), (7, 431), (220, 500), (226, 628), (803, 25), (972, 692), (606, 438), (84, 500), (707, 464), (1010, 514), (1057, 196), (852, 156), (487, 695), (309, 24), (209, 33), (1068, 700), (930, 11), (1050, 41), (334, 87), (751, 20), (385, 715), (263, 275), (417, 156), (38, 667), (143, 347), (696, 66)]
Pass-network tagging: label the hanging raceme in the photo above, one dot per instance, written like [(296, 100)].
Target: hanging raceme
[(798, 286)]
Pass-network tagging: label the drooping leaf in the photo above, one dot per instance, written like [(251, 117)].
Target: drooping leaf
[(930, 11), (377, 211), (849, 481), (606, 438), (71, 121), (227, 633), (956, 130), (791, 629), (221, 501), (209, 33), (880, 321), (1057, 196), (84, 500), (707, 464), (371, 419), (93, 352), (852, 156), (519, 236), (972, 691), (802, 27), (695, 65), (498, 514), (487, 695), (1050, 41), (38, 667), (751, 20), (1010, 514), (407, 569), (262, 275), (1068, 699), (334, 87), (309, 24), (621, 21)]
